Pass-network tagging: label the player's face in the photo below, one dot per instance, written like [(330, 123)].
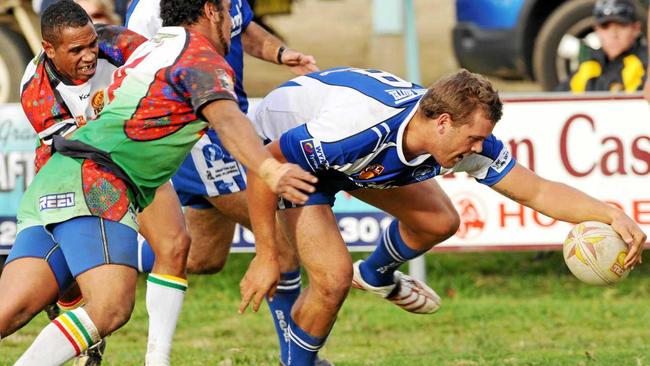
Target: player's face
[(457, 142), (617, 38), (75, 54)]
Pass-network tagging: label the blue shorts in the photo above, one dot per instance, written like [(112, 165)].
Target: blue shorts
[(36, 242), (330, 182), (208, 171), (77, 245)]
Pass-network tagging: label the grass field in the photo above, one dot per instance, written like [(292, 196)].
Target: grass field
[(498, 309)]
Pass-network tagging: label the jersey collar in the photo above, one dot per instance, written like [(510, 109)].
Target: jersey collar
[(400, 143)]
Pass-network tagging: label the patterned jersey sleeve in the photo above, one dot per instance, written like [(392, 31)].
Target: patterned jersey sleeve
[(41, 104), (203, 76), (247, 13), (116, 44), (491, 165), (44, 108)]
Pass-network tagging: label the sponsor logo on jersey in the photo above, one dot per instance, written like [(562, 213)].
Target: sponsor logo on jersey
[(224, 186), (237, 19), (212, 152), (159, 37), (84, 96), (313, 152), (218, 172), (308, 147), (371, 171), (404, 95), (97, 101), (59, 200), (423, 172), (502, 161)]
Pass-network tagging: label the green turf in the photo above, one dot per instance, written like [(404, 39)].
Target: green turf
[(498, 309)]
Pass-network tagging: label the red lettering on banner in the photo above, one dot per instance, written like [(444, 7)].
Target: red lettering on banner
[(514, 148), (564, 143), (641, 212), (612, 158), (503, 215), (536, 217), (617, 154), (640, 154)]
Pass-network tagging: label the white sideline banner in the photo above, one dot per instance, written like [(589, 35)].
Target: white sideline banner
[(599, 144)]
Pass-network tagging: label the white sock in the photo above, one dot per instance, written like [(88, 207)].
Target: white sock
[(64, 338), (164, 301)]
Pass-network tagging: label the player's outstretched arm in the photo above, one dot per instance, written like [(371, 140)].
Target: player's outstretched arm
[(263, 273), (239, 137), (562, 202), (263, 45)]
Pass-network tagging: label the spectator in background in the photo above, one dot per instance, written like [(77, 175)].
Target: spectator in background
[(619, 65), (646, 87), (101, 11)]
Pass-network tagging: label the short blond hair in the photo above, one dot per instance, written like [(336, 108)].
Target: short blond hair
[(459, 95)]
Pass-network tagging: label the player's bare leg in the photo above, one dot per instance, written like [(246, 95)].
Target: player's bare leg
[(425, 217), (109, 292), (212, 230), (325, 257), (426, 214), (20, 303), (163, 225)]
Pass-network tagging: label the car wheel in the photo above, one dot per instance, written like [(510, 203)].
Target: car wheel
[(557, 46), (14, 57)]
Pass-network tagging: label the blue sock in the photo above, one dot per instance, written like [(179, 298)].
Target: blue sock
[(285, 296), (146, 257), (391, 252), (303, 347)]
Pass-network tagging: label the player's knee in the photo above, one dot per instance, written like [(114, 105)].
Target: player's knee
[(437, 230), (14, 315), (110, 315), (448, 226), (174, 247), (333, 287)]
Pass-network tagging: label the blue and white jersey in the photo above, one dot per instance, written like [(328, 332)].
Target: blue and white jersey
[(143, 16), (352, 121)]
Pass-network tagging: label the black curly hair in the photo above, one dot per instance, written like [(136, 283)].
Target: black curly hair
[(62, 14), (184, 12)]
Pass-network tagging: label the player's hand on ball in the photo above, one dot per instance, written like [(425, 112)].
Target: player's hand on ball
[(288, 180), (261, 278), (632, 235)]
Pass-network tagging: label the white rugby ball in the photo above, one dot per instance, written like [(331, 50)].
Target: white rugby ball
[(594, 253)]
